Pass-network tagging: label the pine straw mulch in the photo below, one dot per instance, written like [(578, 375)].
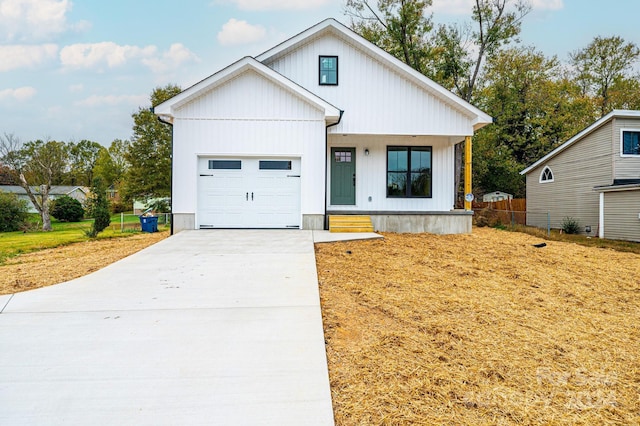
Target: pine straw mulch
[(52, 266), (480, 329)]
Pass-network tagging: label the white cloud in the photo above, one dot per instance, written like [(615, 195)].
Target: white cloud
[(464, 7), (20, 94), (240, 32), (24, 56), (97, 55), (76, 87), (173, 58), (278, 4), (547, 4), (32, 20), (111, 100)]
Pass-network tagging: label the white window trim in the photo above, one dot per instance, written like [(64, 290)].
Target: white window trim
[(553, 176), (622, 154)]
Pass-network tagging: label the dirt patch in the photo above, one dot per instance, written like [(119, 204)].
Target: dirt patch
[(480, 329), (53, 266)]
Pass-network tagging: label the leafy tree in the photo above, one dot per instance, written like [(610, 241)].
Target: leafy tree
[(99, 208), (82, 159), (535, 108), (35, 164), (149, 154), (603, 64), (495, 23), (400, 27), (111, 164), (13, 212), (67, 209)]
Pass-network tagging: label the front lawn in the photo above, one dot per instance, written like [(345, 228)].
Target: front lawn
[(63, 233), (480, 329)]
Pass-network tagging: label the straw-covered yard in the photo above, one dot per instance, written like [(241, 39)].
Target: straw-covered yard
[(480, 329)]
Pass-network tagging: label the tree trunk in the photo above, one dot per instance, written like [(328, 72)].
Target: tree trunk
[(43, 206)]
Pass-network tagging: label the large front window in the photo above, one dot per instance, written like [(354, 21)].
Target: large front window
[(630, 142), (409, 171)]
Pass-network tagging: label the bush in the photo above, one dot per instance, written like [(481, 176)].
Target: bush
[(67, 209), (13, 212), (119, 207), (100, 209), (570, 225)]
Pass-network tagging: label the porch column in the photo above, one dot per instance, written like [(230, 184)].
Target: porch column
[(467, 171)]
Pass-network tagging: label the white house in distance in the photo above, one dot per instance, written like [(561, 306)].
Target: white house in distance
[(325, 123)]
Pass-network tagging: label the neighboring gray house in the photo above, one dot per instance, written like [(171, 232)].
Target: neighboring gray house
[(78, 192), (593, 177), (325, 123)]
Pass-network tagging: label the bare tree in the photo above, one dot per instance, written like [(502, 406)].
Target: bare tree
[(35, 165)]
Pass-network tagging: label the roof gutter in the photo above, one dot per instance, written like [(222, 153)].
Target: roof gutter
[(326, 167)]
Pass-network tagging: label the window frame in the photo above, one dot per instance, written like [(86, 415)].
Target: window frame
[(542, 173), (216, 164), (409, 172), (320, 70), (622, 132)]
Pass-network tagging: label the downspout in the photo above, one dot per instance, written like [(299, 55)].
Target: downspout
[(326, 167), (171, 172)]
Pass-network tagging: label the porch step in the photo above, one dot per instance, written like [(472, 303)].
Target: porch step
[(348, 223)]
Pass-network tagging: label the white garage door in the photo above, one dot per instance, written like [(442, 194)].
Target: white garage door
[(249, 193)]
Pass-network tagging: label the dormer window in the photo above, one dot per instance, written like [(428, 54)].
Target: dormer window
[(328, 70), (546, 176), (630, 142)]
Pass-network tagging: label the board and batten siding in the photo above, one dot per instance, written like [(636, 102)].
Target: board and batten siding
[(624, 167), (621, 210), (374, 97), (248, 116), (371, 173), (576, 171)]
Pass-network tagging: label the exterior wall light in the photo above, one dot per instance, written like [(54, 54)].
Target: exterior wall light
[(366, 151)]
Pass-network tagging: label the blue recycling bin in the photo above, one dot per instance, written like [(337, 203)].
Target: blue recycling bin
[(149, 223)]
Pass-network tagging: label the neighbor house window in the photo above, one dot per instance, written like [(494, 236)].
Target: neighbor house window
[(409, 171), (630, 142), (329, 70), (546, 175)]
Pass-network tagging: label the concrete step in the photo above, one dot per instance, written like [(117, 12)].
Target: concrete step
[(349, 223)]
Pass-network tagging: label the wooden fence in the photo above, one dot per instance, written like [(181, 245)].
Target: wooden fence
[(506, 212)]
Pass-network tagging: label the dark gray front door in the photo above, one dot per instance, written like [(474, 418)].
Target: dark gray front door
[(343, 176)]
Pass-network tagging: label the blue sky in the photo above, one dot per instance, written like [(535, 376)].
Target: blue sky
[(73, 70)]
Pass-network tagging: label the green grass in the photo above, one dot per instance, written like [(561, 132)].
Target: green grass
[(618, 245), (63, 233)]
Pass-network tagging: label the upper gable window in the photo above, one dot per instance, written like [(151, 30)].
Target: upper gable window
[(328, 70), (546, 176), (630, 142)]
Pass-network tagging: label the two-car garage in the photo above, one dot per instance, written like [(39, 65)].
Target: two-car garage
[(248, 192)]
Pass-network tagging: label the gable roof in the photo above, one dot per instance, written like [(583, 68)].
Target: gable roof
[(166, 109), (479, 118), (55, 189), (616, 113)]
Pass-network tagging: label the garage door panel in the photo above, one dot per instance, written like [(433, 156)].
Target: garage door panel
[(259, 193)]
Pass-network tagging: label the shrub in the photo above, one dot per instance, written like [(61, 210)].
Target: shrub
[(13, 212), (100, 209), (119, 207), (67, 209), (570, 225)]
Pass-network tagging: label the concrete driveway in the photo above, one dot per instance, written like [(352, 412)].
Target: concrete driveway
[(205, 327)]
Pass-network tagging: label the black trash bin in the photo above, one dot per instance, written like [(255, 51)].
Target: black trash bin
[(149, 223)]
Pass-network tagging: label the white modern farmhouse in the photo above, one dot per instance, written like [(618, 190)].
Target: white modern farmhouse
[(323, 124)]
